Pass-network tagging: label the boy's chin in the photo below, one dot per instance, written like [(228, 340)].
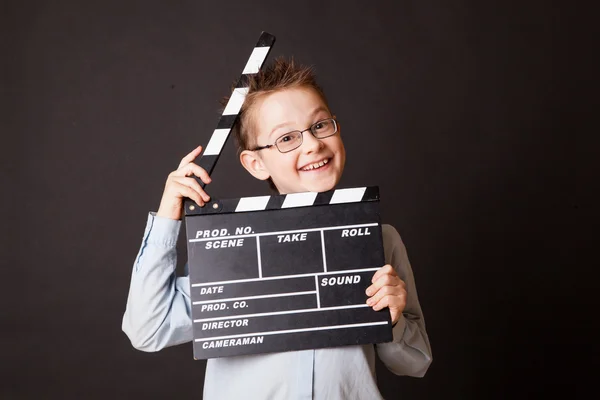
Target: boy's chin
[(316, 185), (308, 188), (320, 186)]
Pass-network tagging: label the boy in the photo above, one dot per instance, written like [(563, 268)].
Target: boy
[(288, 136)]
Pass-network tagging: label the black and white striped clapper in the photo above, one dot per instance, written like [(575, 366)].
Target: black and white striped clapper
[(284, 272), (230, 114)]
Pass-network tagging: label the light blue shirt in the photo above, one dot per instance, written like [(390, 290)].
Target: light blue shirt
[(158, 315)]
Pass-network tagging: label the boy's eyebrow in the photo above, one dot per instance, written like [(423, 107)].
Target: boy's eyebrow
[(318, 110), (277, 127)]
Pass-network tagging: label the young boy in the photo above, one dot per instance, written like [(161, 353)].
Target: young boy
[(288, 136)]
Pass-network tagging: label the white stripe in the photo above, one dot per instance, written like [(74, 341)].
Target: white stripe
[(299, 199), (328, 228), (256, 58), (266, 314), (264, 296), (217, 140), (349, 271), (319, 328), (352, 195), (252, 204), (235, 101)]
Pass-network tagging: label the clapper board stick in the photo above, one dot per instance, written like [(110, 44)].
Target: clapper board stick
[(210, 156)]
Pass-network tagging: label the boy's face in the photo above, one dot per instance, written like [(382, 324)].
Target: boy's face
[(288, 110)]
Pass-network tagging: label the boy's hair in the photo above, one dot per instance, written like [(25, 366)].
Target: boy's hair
[(281, 74)]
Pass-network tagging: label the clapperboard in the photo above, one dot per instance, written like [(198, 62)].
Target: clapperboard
[(284, 272)]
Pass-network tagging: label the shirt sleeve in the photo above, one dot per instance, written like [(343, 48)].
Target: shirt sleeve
[(158, 310), (409, 353)]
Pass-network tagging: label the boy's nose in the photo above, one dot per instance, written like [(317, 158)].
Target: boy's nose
[(310, 143)]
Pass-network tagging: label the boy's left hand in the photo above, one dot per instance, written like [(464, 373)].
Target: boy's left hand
[(387, 290)]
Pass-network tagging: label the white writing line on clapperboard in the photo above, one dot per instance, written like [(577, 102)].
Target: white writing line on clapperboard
[(318, 294), (324, 257), (328, 228), (266, 314), (349, 271), (264, 296), (259, 259), (318, 328)]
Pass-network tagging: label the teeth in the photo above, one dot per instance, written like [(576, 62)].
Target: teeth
[(315, 165)]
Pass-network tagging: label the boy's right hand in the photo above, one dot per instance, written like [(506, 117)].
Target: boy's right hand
[(180, 184)]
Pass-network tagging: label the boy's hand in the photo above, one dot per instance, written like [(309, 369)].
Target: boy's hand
[(180, 184), (387, 290)]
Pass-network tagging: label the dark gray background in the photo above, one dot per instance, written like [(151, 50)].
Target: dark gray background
[(465, 114)]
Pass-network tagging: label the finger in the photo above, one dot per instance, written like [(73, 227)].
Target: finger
[(384, 280), (394, 305), (195, 169), (190, 169), (186, 191), (393, 302), (402, 284), (386, 269), (193, 184), (382, 292), (190, 157), (382, 303)]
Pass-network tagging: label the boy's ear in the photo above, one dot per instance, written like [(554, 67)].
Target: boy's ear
[(253, 164)]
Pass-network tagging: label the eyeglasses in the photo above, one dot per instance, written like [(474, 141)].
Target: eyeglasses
[(292, 140)]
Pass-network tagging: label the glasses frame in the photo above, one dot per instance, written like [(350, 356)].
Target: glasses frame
[(311, 129)]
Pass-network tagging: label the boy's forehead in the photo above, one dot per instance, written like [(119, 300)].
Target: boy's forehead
[(288, 106)]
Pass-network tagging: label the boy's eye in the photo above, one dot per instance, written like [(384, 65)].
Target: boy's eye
[(323, 125), (287, 138)]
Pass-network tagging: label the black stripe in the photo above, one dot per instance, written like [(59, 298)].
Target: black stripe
[(323, 198), (208, 162), (243, 81), (227, 121), (229, 205), (275, 202), (265, 40), (371, 194)]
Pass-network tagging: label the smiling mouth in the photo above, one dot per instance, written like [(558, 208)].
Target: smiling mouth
[(317, 165)]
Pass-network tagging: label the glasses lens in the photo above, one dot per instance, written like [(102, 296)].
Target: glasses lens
[(324, 128), (289, 141)]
